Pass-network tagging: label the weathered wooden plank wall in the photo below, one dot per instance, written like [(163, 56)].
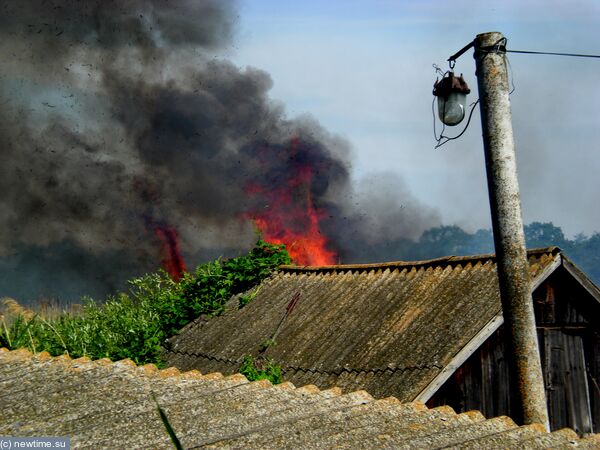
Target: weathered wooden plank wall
[(566, 380), (593, 373), (568, 333)]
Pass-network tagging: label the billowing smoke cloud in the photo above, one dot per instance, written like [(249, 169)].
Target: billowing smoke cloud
[(118, 119)]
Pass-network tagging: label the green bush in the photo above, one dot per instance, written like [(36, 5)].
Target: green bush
[(136, 324), (261, 369)]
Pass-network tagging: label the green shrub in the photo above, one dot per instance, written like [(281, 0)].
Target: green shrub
[(261, 369), (136, 324)]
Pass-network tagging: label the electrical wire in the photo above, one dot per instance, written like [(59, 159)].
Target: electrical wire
[(441, 140), (501, 46), (498, 47), (578, 55), (512, 75)]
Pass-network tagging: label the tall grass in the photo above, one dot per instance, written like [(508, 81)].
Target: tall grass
[(136, 324)]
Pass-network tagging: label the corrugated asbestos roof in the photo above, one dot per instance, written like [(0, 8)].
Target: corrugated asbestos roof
[(100, 404), (387, 328)]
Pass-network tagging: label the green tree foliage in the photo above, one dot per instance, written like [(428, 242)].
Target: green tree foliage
[(136, 324), (453, 240), (585, 252), (539, 234), (450, 240)]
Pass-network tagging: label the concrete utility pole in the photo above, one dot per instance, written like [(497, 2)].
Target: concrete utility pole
[(509, 237)]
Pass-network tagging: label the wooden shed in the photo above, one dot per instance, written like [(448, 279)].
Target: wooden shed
[(566, 306), (428, 331)]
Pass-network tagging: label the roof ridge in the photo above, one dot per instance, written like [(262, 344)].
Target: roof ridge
[(443, 260), (149, 370), (145, 370)]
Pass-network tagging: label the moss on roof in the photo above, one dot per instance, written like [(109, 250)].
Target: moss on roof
[(389, 328), (101, 404)]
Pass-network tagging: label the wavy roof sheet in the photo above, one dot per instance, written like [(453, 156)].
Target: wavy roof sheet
[(100, 404), (388, 328)]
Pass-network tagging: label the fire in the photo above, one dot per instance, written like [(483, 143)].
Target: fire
[(172, 261), (290, 216)]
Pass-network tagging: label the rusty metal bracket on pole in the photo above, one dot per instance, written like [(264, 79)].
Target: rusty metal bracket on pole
[(507, 222), (459, 53)]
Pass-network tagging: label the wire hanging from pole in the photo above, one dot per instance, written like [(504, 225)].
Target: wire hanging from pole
[(502, 43), (578, 55), (441, 139)]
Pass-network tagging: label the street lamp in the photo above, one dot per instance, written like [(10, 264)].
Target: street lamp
[(512, 264), (451, 93)]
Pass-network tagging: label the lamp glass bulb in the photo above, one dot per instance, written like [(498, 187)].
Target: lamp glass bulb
[(451, 110)]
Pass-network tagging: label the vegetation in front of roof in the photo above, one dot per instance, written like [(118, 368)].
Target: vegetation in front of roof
[(247, 298), (261, 368), (264, 346), (135, 324)]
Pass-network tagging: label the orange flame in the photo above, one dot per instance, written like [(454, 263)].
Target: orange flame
[(291, 217), (172, 261)]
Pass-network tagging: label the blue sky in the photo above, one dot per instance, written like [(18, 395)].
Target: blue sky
[(364, 70)]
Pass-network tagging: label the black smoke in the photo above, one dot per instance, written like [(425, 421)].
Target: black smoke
[(118, 114)]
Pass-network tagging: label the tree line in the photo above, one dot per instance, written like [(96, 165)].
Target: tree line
[(583, 250)]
